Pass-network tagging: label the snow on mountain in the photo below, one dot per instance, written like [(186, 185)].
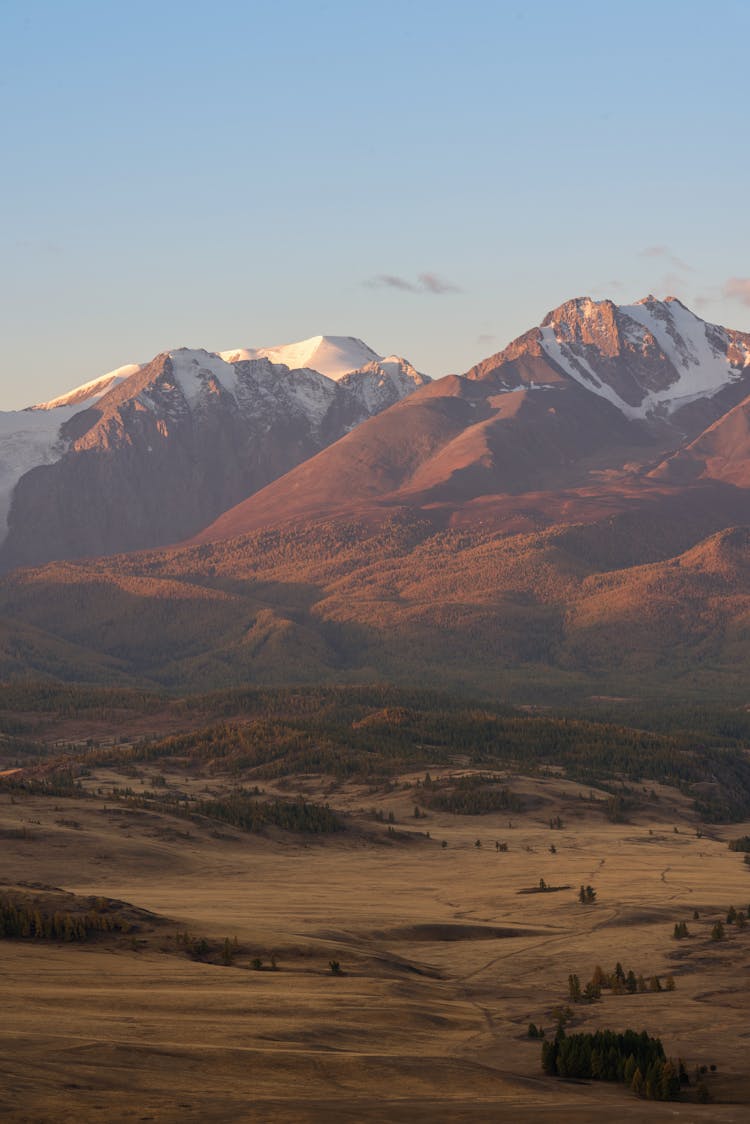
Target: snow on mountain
[(383, 382), (262, 391), (172, 443), (334, 356), (698, 351), (196, 371), (90, 392), (31, 437), (648, 359), (256, 380), (28, 438)]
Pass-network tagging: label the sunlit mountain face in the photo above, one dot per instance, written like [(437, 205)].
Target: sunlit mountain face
[(569, 515)]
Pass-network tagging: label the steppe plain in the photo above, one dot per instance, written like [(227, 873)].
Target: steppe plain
[(444, 959)]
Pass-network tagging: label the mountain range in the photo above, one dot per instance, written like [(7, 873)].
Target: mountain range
[(568, 516), (148, 454)]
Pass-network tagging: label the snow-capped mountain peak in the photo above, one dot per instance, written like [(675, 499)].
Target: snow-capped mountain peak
[(229, 423), (333, 356), (382, 382), (193, 369), (92, 391), (648, 359)]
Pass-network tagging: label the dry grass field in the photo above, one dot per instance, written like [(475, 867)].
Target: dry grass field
[(444, 961)]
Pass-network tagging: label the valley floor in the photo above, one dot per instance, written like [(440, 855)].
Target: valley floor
[(443, 965)]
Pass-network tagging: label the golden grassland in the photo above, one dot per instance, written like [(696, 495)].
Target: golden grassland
[(444, 961)]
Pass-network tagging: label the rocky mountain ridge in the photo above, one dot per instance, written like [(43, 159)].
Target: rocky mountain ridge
[(148, 454)]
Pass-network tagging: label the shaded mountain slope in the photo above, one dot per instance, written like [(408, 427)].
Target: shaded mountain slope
[(151, 454), (721, 452), (525, 615)]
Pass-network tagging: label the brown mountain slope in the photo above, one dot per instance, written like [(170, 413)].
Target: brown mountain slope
[(451, 443), (721, 452), (596, 389), (529, 615)]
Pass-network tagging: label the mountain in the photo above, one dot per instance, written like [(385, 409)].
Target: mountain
[(333, 356), (147, 455), (569, 517), (585, 404), (653, 359)]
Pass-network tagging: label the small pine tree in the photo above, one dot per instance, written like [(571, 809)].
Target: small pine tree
[(669, 1084), (591, 992), (629, 1070)]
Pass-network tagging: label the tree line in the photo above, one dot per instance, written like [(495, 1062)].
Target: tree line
[(635, 1060)]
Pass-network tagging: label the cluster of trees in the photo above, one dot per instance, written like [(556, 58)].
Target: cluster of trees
[(20, 920), (619, 982), (60, 782), (587, 895), (199, 948), (635, 1060), (474, 795), (734, 917), (243, 810)]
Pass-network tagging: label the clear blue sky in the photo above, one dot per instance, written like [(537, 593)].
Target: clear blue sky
[(245, 174)]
